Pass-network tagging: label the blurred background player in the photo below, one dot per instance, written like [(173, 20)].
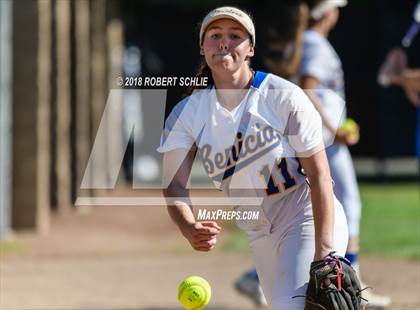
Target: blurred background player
[(321, 69), (394, 71), (409, 80)]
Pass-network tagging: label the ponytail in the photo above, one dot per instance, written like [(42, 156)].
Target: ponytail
[(203, 71)]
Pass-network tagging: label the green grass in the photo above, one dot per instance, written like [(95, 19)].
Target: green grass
[(12, 247), (390, 222), (237, 240)]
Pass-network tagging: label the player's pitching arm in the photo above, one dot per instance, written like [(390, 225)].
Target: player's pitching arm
[(201, 235), (318, 172)]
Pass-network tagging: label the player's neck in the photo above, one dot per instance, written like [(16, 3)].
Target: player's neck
[(239, 79), (322, 30), (231, 88)]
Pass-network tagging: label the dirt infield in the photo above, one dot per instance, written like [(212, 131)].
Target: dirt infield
[(132, 258)]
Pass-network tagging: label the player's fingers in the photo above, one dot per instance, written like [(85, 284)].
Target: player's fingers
[(205, 243), (207, 226), (396, 79), (411, 73), (210, 242), (352, 139), (198, 248), (202, 237), (206, 231), (203, 247), (211, 224), (412, 96)]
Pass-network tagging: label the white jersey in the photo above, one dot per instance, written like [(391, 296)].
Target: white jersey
[(275, 123), (320, 60), (255, 147)]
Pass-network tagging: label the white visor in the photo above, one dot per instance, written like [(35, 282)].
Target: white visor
[(319, 10)]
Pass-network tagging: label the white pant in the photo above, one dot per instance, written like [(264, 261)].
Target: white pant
[(345, 185), (283, 255)]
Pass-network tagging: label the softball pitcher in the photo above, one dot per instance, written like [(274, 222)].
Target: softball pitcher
[(249, 128)]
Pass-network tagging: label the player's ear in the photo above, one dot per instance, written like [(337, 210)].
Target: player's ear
[(251, 51), (201, 51)]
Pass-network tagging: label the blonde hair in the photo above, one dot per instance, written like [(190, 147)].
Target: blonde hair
[(202, 72)]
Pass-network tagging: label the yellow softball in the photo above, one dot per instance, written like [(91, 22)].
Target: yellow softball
[(194, 293)]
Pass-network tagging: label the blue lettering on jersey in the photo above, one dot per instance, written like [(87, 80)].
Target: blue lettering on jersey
[(252, 146)]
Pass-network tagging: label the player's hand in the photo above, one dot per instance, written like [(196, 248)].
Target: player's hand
[(347, 137), (409, 80), (321, 254), (202, 235)]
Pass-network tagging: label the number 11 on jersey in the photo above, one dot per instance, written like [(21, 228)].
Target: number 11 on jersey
[(272, 184)]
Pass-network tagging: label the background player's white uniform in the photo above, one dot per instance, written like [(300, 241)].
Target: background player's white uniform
[(278, 123), (320, 60)]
